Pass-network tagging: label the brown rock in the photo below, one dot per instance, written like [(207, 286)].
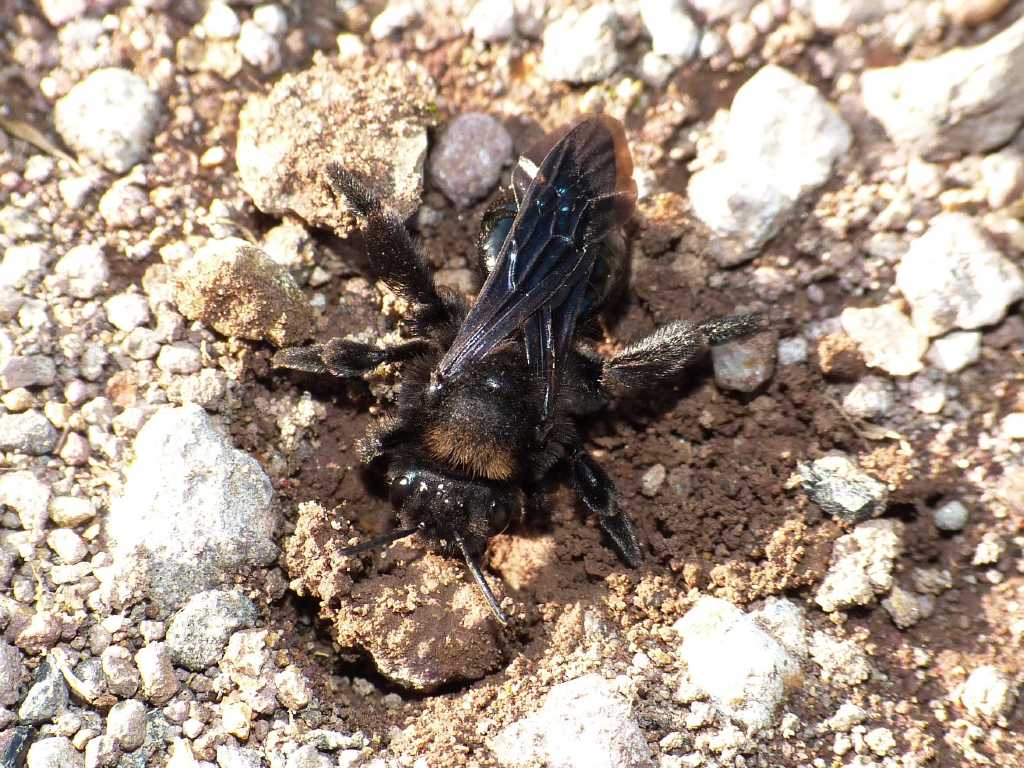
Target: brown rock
[(237, 290), (839, 358), (423, 621), (369, 116)]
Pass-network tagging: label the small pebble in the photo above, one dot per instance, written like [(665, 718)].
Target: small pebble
[(54, 752), (47, 696), (746, 364), (158, 680), (110, 117), (126, 722), (581, 47), (127, 311), (955, 351), (951, 516), (29, 432), (83, 271), (843, 490), (1012, 426), (468, 159), (674, 33), (492, 20), (871, 398), (220, 21), (119, 670), (792, 350), (259, 48), (988, 694)]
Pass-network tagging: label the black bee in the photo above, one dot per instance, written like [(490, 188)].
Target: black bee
[(490, 391)]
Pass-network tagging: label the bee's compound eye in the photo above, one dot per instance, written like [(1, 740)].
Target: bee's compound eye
[(401, 486)]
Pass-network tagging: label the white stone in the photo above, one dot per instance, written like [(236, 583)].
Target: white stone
[(68, 545), (109, 117), (743, 669), (845, 15), (220, 21), (870, 398), (272, 18), (192, 510), (988, 694), (1002, 173), (954, 277), (54, 752), (581, 47), (966, 100), (396, 16), (1012, 426), (861, 565), (126, 722), (674, 33), (127, 311), (781, 141), (83, 270), (886, 338), (492, 20), (259, 48), (584, 723), (955, 351), (951, 516), (716, 10)]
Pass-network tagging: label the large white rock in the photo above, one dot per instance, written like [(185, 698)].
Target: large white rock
[(193, 510), (886, 338), (584, 723), (955, 277), (743, 669), (861, 565), (966, 100), (581, 47), (109, 117), (781, 141)]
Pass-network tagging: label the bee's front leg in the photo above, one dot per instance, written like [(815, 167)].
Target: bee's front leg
[(345, 358), (597, 492)]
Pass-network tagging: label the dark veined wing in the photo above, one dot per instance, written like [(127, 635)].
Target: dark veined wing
[(581, 189)]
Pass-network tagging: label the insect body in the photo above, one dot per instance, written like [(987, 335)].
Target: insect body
[(490, 392)]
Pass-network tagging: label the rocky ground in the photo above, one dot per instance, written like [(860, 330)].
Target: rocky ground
[(831, 512)]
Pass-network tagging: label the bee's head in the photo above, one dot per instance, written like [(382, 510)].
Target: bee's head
[(443, 508)]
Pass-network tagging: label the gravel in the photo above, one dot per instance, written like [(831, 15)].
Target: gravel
[(583, 723), (54, 752), (29, 432), (743, 669), (119, 671), (47, 696), (492, 20), (955, 351), (109, 117), (581, 47), (988, 694), (127, 311), (907, 608), (12, 673), (198, 632), (843, 490), (845, 15), (193, 509), (126, 723), (717, 10), (27, 371), (674, 33), (378, 113), (951, 516), (780, 143), (82, 271), (468, 158), (871, 398), (861, 565), (966, 100), (237, 290), (747, 364), (886, 338), (955, 278), (156, 673)]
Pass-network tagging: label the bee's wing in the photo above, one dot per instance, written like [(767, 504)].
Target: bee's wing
[(582, 188)]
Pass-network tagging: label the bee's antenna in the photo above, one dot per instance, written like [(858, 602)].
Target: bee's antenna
[(378, 541), (480, 580)]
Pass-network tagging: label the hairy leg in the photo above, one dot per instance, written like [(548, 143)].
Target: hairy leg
[(344, 358), (663, 354), (393, 256), (597, 492)]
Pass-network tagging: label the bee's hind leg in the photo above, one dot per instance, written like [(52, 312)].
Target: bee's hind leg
[(344, 358), (393, 256), (597, 492)]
